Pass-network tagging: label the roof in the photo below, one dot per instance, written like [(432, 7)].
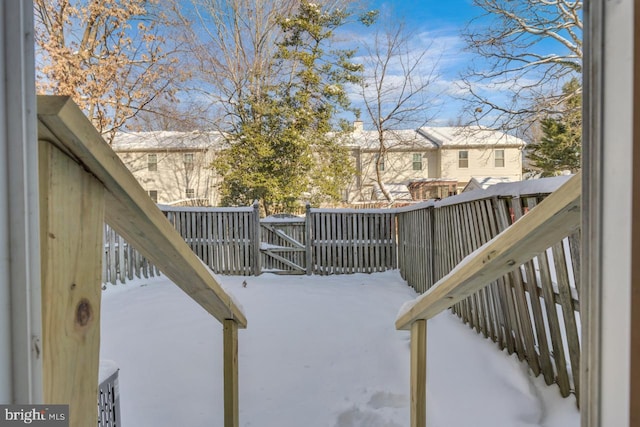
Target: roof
[(434, 137), (424, 138), (165, 140), (405, 139), (484, 182), (457, 136), (398, 191)]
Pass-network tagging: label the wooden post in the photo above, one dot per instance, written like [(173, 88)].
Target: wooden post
[(307, 239), (231, 407), (419, 373), (257, 268), (431, 214), (71, 233)]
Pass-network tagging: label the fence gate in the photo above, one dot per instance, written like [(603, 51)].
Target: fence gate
[(283, 244)]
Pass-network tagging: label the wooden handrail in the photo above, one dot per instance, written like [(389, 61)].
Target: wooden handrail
[(129, 210), (553, 219), (83, 184), (549, 222)]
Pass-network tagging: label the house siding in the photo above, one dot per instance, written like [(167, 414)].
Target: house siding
[(438, 149), (481, 162), (172, 179)]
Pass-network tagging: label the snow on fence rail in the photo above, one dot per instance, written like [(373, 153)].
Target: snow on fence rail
[(235, 241), (351, 241), (223, 238), (283, 244), (434, 237)]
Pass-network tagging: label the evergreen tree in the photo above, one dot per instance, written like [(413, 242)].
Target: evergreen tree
[(559, 147), (287, 146)]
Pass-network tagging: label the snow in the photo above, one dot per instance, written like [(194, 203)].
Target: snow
[(513, 189), (169, 208), (462, 136), (106, 369), (166, 140), (267, 246), (405, 308), (284, 218), (319, 351)]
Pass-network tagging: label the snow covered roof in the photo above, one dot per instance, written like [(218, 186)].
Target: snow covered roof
[(434, 137), (424, 138), (456, 136), (484, 182), (394, 139), (166, 140)]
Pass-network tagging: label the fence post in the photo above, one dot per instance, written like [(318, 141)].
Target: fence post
[(72, 215), (307, 240), (257, 268)]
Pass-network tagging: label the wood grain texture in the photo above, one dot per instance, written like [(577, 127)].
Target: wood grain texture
[(556, 217), (71, 219), (419, 373), (231, 407), (130, 210)]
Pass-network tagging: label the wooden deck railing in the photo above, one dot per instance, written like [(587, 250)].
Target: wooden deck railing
[(533, 311), (543, 227), (82, 184)]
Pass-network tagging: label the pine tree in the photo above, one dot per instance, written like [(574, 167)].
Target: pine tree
[(287, 146), (559, 147)]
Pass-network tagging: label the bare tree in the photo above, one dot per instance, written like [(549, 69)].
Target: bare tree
[(111, 56), (167, 115), (234, 50), (397, 88), (233, 43), (526, 51)]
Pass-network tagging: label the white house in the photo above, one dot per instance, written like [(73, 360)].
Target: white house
[(431, 162), (174, 167)]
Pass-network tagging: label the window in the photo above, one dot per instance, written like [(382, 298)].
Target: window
[(152, 162), (381, 164), (417, 162), (188, 161), (154, 195), (499, 158), (463, 159), (190, 193)]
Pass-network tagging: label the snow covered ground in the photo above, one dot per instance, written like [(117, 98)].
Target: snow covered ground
[(318, 352)]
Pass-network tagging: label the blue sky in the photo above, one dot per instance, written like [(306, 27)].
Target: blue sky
[(440, 23), (431, 13)]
